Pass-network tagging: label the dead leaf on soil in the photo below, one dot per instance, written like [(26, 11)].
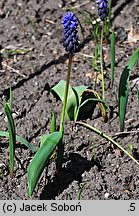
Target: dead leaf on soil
[(92, 76), (106, 58), (117, 152), (127, 191), (133, 36)]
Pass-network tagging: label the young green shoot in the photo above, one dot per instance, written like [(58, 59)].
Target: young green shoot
[(12, 133), (124, 87), (112, 56), (81, 190)]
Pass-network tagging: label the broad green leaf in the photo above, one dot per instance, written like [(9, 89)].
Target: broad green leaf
[(124, 87), (78, 90), (53, 123), (53, 129), (12, 136), (81, 102), (91, 99), (59, 89), (44, 138), (89, 102), (112, 54), (102, 104), (38, 162), (21, 140)]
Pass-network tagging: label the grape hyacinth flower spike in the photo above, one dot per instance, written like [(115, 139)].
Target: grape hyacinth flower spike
[(70, 37), (71, 44), (102, 8)]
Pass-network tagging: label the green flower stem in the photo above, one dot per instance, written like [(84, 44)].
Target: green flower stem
[(66, 93), (60, 150), (101, 62), (107, 138)]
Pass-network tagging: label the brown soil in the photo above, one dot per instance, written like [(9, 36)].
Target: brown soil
[(35, 25)]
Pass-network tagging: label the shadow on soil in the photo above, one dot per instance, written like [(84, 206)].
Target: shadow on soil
[(74, 170), (120, 8), (61, 59)]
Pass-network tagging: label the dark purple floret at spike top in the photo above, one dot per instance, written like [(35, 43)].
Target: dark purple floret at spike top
[(102, 8), (70, 37)]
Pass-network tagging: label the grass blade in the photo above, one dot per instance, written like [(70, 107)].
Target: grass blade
[(21, 140), (26, 143), (124, 87), (12, 137), (137, 95), (38, 162), (112, 54), (81, 190), (11, 99), (107, 138)]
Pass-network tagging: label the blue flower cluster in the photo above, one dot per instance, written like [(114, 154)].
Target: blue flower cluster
[(102, 8), (70, 37)]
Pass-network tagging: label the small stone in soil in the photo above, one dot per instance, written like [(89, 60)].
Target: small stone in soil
[(106, 195)]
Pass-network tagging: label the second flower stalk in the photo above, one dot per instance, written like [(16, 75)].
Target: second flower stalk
[(103, 13)]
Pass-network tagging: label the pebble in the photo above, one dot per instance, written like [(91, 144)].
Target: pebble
[(106, 195), (83, 175), (14, 116), (2, 165)]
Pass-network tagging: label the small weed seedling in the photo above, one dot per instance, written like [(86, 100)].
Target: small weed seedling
[(11, 134)]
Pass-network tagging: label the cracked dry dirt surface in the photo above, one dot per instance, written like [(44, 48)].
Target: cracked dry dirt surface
[(35, 27)]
